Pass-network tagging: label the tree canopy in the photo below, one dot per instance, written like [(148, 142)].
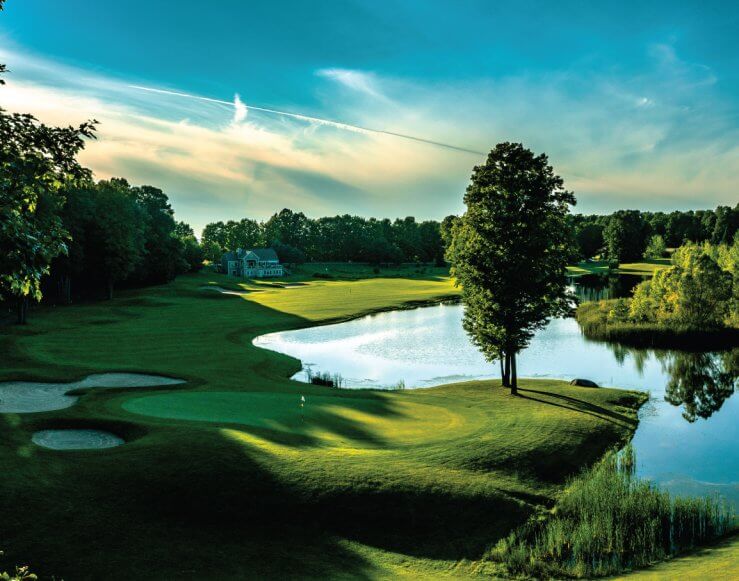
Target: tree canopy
[(509, 252)]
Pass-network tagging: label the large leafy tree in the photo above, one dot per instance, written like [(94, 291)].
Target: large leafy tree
[(192, 251), (37, 162), (625, 236), (245, 233), (509, 253), (163, 257), (118, 237)]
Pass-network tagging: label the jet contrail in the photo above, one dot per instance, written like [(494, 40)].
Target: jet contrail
[(328, 122)]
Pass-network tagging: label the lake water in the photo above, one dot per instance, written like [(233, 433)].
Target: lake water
[(427, 346)]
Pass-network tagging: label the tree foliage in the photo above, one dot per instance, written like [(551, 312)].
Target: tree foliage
[(510, 251), (699, 291), (343, 238), (656, 248), (37, 162)]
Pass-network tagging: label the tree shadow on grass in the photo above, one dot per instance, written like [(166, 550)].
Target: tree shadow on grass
[(237, 494), (581, 406), (184, 509)]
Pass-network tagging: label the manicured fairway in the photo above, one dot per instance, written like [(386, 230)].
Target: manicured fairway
[(647, 267), (226, 477)]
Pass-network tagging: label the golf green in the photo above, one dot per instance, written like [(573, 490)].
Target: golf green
[(321, 416)]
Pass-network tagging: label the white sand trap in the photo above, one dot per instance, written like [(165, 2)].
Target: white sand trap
[(76, 439), (24, 397), (223, 291)]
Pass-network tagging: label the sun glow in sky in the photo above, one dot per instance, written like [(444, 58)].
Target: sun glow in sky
[(637, 106)]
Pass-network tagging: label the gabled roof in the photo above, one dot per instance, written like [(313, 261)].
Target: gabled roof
[(265, 254)]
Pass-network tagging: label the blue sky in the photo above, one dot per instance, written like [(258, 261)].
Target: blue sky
[(636, 105)]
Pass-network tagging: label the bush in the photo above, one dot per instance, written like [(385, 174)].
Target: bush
[(609, 521), (325, 378)]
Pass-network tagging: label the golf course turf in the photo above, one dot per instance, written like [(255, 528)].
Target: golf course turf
[(226, 476)]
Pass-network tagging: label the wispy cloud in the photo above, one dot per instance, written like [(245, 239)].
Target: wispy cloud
[(662, 137), (240, 110), (362, 82)]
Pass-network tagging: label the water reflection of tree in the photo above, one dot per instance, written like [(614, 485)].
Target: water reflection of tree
[(701, 382), (596, 287)]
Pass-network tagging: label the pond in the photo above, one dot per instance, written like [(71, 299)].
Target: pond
[(687, 443)]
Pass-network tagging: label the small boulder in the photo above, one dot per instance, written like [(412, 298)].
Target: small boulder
[(584, 383)]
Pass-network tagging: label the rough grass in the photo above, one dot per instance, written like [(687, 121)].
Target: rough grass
[(223, 477)]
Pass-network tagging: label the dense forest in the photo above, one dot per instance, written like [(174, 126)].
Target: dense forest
[(626, 235), (119, 234)]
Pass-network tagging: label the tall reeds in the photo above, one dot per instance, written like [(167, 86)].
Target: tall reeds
[(610, 521)]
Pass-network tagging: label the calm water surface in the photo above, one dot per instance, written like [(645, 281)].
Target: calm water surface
[(427, 346)]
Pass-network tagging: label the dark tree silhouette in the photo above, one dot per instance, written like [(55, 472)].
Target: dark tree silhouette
[(509, 252)]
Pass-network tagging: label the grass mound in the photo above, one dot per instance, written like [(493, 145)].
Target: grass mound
[(609, 521)]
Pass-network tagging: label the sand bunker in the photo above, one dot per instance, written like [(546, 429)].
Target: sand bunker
[(28, 396), (223, 291), (76, 439)]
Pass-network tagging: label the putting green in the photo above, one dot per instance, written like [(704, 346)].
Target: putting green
[(327, 418)]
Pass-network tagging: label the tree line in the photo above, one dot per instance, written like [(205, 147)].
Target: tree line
[(298, 238), (624, 236), (630, 235), (64, 235)]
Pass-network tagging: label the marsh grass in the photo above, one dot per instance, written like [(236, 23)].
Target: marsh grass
[(595, 324), (610, 521)]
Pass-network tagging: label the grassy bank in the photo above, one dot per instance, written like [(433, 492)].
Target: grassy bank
[(716, 561), (225, 477), (593, 318)]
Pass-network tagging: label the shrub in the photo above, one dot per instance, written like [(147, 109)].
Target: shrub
[(325, 378)]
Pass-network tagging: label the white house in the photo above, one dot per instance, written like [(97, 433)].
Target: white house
[(254, 263)]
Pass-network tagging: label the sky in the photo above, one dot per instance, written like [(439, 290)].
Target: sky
[(293, 103)]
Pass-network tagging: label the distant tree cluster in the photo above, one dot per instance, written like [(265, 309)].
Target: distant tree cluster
[(630, 235), (119, 234), (297, 238), (699, 291)]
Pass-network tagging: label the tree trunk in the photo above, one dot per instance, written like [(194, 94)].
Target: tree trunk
[(507, 370), (110, 288), (502, 370), (22, 308), (66, 289), (514, 376)]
